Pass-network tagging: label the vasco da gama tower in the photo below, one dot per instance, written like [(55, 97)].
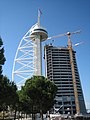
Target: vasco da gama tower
[(61, 67)]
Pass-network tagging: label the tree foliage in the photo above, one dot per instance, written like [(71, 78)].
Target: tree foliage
[(24, 104), (2, 58), (8, 94), (8, 90), (39, 94)]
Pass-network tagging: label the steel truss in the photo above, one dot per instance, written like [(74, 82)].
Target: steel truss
[(23, 66)]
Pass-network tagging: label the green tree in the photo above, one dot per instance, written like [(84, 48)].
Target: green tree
[(8, 94), (2, 58), (24, 104), (40, 93)]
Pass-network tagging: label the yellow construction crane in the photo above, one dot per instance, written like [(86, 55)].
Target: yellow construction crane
[(73, 74)]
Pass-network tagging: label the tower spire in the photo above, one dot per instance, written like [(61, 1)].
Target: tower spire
[(39, 13)]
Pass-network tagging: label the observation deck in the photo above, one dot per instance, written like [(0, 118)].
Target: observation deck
[(38, 30)]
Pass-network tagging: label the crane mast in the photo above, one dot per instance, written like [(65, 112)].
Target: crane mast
[(73, 73)]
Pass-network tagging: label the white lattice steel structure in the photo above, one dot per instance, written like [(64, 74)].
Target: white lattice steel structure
[(28, 58)]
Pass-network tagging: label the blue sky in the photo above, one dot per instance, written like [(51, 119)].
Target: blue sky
[(58, 16)]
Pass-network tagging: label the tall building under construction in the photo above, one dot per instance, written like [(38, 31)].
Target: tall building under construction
[(61, 67)]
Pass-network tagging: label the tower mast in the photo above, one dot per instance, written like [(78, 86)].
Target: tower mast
[(38, 34), (38, 22)]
